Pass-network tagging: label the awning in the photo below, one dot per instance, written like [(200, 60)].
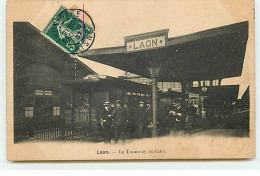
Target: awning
[(101, 83), (207, 55)]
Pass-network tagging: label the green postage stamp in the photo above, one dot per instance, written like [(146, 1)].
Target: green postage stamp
[(69, 29)]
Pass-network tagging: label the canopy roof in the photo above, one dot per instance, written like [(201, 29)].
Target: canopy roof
[(31, 47), (100, 82), (211, 54)]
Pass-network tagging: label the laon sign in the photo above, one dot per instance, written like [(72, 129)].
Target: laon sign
[(144, 44)]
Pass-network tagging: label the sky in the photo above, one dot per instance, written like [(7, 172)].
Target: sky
[(116, 19), (181, 17)]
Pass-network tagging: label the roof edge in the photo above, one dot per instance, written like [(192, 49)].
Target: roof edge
[(171, 41)]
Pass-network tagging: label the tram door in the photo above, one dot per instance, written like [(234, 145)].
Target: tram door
[(43, 109)]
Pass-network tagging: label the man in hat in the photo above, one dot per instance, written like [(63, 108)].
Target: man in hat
[(140, 117), (178, 115), (119, 116), (128, 123), (148, 120), (106, 122), (112, 106)]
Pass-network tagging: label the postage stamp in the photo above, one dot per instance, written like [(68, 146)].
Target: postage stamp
[(68, 28)]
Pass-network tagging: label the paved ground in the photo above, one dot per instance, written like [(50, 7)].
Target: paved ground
[(214, 132), (223, 132), (197, 132)]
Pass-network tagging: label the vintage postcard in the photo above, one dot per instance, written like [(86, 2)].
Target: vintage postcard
[(128, 80)]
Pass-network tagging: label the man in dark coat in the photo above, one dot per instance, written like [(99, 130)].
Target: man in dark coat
[(119, 116), (106, 122), (140, 117), (128, 123), (148, 120), (178, 114), (191, 113)]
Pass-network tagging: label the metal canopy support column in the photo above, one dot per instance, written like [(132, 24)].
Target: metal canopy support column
[(154, 70)]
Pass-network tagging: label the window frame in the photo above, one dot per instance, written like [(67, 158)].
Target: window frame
[(28, 111), (56, 110)]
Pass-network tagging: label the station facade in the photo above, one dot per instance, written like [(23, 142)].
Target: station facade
[(55, 93)]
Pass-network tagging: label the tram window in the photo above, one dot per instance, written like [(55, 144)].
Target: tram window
[(215, 82), (28, 112), (160, 85), (195, 84), (56, 111), (205, 83)]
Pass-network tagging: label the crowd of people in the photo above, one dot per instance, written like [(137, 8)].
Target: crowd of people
[(118, 121)]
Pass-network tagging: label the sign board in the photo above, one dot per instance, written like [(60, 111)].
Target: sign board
[(145, 44)]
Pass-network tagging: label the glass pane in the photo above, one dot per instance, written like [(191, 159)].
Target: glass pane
[(30, 113), (54, 111), (195, 84)]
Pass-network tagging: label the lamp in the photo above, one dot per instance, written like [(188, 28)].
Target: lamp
[(204, 88)]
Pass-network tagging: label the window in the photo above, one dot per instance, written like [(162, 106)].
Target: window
[(195, 84), (28, 112), (56, 111), (215, 82), (160, 85), (205, 83)]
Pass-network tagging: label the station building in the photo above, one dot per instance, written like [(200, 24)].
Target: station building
[(55, 91)]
